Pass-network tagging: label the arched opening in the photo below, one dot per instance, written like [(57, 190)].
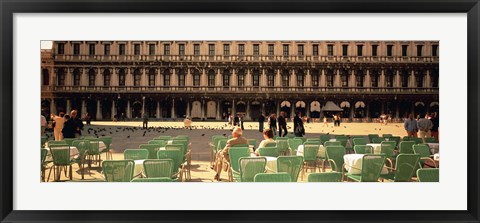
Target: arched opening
[(211, 109), (255, 110), (315, 109), (360, 109), (45, 108), (106, 109), (226, 109), (137, 109), (121, 108), (92, 108), (375, 109), (106, 77), (180, 108), (196, 110), (226, 78), (420, 109), (300, 106), (270, 107), (434, 107), (151, 108), (76, 77), (76, 104), (91, 77), (345, 105), (404, 109), (166, 108), (136, 77), (285, 107), (60, 77), (61, 105), (121, 77), (390, 108), (241, 108)]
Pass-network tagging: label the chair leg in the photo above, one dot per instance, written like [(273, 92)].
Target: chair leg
[(71, 172), (49, 172)]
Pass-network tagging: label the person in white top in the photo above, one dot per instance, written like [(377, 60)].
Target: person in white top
[(58, 126), (187, 122), (268, 137), (43, 124)]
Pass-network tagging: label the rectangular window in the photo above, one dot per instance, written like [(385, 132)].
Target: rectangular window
[(181, 49), (196, 50), (374, 50), (61, 48), (300, 50), (405, 78), (285, 50), (359, 77), (166, 49), (151, 79), (404, 50), (374, 80), (434, 50), (211, 49), (271, 49), (256, 80), (419, 77), (106, 49), (315, 80), (285, 80), (344, 50), (256, 49), (226, 49), (315, 49), (136, 80), (359, 50), (330, 50), (300, 82), (211, 80), (241, 49), (121, 49), (196, 80), (151, 49), (271, 80), (61, 80), (389, 50), (226, 80), (76, 49), (91, 80), (344, 78), (136, 49), (91, 49), (166, 80), (241, 80), (76, 79), (121, 79), (389, 80), (106, 80), (419, 50), (181, 80), (330, 80)]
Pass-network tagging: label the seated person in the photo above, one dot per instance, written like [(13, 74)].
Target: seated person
[(223, 154), (268, 137)]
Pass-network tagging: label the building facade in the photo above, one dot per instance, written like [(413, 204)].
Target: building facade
[(212, 79)]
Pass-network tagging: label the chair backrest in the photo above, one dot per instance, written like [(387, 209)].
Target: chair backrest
[(215, 140), (377, 139), (268, 151), (107, 140), (61, 142), (372, 165), (371, 136), (335, 155), (158, 168), (272, 177), (180, 147), (118, 170), (69, 141), (393, 143), (160, 143), (324, 138), (235, 153), (301, 138), (60, 154), (310, 152), (43, 155), (341, 137), (405, 167), (271, 144), (165, 138), (251, 166), (422, 149), (325, 177), (314, 143), (135, 154), (359, 141), (94, 147), (343, 142), (43, 140), (431, 140), (363, 149), (241, 145), (282, 145), (387, 135), (82, 146), (158, 179), (281, 138), (221, 144), (182, 137), (332, 143), (152, 149), (175, 155), (428, 175), (252, 142), (294, 143), (387, 149), (406, 147), (291, 165)]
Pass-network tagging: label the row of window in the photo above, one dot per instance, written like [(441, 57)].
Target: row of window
[(241, 49), (226, 78)]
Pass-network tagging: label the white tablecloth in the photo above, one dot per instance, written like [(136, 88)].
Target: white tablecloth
[(321, 151), (353, 164), (138, 167), (271, 164), (377, 147), (73, 152), (434, 147)]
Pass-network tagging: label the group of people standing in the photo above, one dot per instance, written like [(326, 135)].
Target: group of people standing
[(236, 121), (422, 127), (64, 125), (281, 122)]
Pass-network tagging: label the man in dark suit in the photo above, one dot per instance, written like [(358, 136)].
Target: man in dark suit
[(298, 128), (282, 124), (261, 121), (78, 123), (223, 156)]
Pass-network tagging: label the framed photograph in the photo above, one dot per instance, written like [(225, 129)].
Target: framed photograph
[(197, 111)]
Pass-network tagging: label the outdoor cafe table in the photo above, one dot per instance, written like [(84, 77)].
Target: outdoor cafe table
[(139, 165), (321, 151), (377, 147), (353, 164), (271, 163)]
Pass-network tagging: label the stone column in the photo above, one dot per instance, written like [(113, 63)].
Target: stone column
[(322, 79), (84, 108), (174, 78), (188, 80), (292, 110), (69, 106), (428, 82), (188, 109), (307, 108), (143, 78), (113, 111), (263, 108), (128, 77), (218, 80), (412, 79), (143, 106), (98, 78), (68, 78), (367, 107), (337, 80), (293, 79), (368, 80), (53, 107), (173, 109), (233, 108), (158, 109), (353, 81), (202, 107), (397, 110), (99, 110), (398, 80), (278, 107), (382, 79), (129, 110), (248, 78), (278, 79), (352, 111), (218, 110), (247, 116), (308, 79), (233, 79), (203, 79)]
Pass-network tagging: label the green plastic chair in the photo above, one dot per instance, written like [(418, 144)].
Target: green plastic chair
[(268, 151), (325, 177), (332, 143), (69, 141), (282, 147), (372, 165), (164, 138), (229, 137), (291, 165), (93, 153), (371, 136), (176, 156), (252, 142), (152, 149), (158, 168), (393, 143), (235, 153), (182, 137), (359, 141), (428, 175), (43, 162), (159, 143), (377, 139), (249, 167), (431, 140), (314, 143), (118, 170), (158, 179), (43, 140), (309, 157), (424, 151), (213, 147), (324, 138), (363, 149), (61, 143), (406, 147), (335, 157), (180, 147), (221, 144), (404, 168), (293, 144), (82, 147), (387, 149), (61, 159), (387, 135), (241, 145), (271, 144), (107, 140), (272, 177), (135, 154), (301, 138)]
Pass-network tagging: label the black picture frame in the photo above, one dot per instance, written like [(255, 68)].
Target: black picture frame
[(10, 7)]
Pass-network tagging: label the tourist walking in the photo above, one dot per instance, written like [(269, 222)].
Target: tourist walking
[(325, 121), (298, 127), (261, 122), (58, 122), (69, 128), (145, 121), (272, 123), (241, 118), (282, 125), (435, 122), (424, 126), (77, 122), (410, 126)]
